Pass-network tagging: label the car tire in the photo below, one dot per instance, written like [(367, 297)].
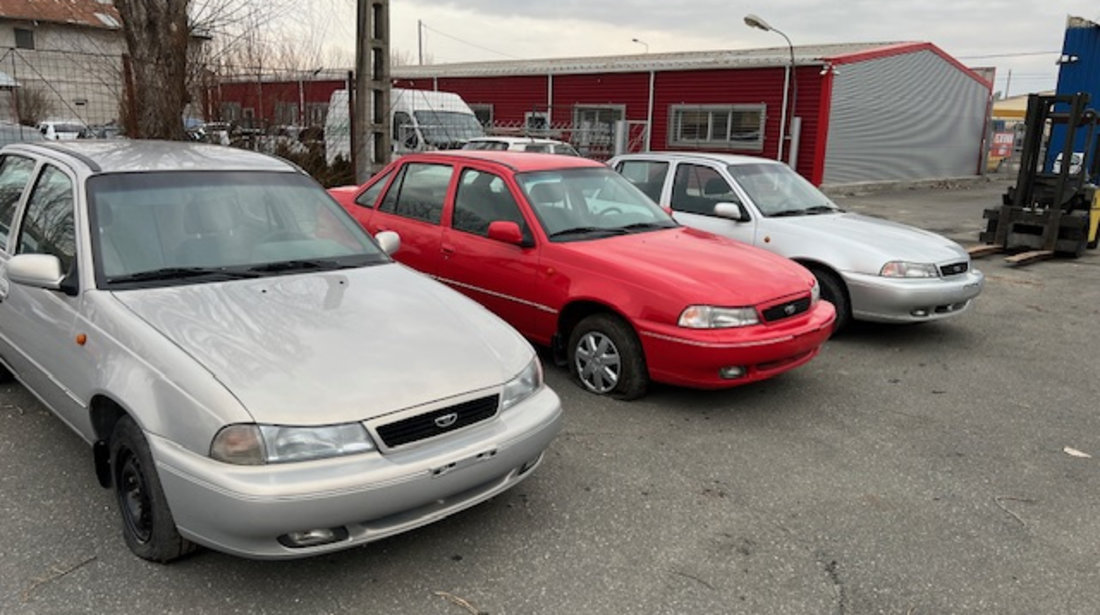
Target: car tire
[(5, 375), (147, 523), (834, 291), (605, 340)]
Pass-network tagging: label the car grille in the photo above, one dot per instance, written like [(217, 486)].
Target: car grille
[(786, 310), (954, 268), (425, 425)]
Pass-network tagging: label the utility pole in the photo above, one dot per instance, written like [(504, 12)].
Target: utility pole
[(371, 121), (1008, 84), (419, 42)]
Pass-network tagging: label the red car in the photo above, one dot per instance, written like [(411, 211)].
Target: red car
[(576, 258)]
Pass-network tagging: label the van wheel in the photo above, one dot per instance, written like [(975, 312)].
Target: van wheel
[(606, 358), (833, 291), (147, 524)]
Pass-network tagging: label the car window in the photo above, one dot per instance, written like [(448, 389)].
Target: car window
[(15, 171), (418, 192), (696, 189), (48, 226), (565, 149), (541, 148), (775, 189), (647, 175), (483, 198), (370, 195)]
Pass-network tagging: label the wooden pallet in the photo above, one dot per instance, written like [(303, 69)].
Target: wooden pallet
[(985, 249), (1023, 258)]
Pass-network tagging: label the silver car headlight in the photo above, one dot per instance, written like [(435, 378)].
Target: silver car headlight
[(522, 386), (711, 317), (903, 269), (259, 444)]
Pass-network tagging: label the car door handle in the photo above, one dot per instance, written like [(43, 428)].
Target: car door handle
[(447, 251)]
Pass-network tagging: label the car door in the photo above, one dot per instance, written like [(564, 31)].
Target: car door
[(696, 189), (413, 208), (646, 175), (497, 274), (39, 323), (15, 175)]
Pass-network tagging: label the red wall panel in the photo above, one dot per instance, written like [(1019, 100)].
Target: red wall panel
[(511, 97), (627, 89)]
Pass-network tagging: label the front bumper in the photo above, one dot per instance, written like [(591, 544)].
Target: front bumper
[(243, 510), (875, 298), (693, 357)]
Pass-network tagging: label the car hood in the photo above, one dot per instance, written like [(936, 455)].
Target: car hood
[(347, 345), (882, 239), (696, 266)]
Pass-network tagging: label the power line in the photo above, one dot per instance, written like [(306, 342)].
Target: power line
[(455, 38), (1007, 55)]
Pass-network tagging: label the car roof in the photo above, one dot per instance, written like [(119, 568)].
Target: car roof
[(517, 140), (132, 155), (729, 159), (517, 161)]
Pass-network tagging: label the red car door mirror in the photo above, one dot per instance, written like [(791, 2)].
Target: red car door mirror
[(506, 231)]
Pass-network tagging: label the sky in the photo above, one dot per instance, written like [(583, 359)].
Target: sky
[(1021, 36)]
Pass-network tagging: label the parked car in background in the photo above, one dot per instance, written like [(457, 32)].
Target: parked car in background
[(522, 144), (63, 130), (253, 371), (11, 132), (870, 269), (569, 253)]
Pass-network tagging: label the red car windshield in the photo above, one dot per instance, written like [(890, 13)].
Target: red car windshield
[(589, 203)]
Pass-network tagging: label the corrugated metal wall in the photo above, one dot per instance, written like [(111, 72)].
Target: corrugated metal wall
[(630, 90), (908, 116), (511, 97)]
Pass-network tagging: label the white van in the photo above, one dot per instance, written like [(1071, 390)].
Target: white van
[(421, 119)]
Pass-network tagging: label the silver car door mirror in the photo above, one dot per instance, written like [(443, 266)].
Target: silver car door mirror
[(37, 270), (389, 241)]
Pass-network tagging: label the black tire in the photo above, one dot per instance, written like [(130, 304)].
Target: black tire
[(5, 375), (834, 291), (147, 524), (620, 352)]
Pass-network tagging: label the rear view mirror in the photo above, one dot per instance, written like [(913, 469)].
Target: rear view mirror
[(389, 241), (37, 270), (506, 231), (731, 211)]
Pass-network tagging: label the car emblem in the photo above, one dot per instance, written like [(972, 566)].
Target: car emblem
[(789, 309), (446, 420)]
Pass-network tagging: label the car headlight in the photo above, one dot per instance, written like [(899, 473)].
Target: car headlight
[(815, 293), (259, 444), (710, 317), (902, 269), (522, 386)]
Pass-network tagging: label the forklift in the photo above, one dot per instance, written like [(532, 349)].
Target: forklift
[(1054, 208)]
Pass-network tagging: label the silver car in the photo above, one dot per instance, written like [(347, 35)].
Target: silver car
[(252, 370), (870, 269)]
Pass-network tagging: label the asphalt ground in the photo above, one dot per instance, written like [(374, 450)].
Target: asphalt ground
[(908, 469)]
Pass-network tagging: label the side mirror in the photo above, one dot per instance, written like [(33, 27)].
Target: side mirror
[(389, 241), (732, 211), (36, 270), (506, 231)]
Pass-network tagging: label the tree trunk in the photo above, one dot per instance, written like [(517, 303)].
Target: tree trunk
[(157, 35)]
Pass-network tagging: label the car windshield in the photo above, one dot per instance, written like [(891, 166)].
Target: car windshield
[(778, 191), (448, 126), (183, 227), (589, 203)]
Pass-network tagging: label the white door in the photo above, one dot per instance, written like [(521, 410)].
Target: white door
[(696, 189)]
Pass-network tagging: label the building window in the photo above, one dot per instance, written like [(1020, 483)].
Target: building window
[(286, 114), (24, 39), (484, 113), (720, 126), (231, 111), (536, 120), (316, 113), (594, 128)]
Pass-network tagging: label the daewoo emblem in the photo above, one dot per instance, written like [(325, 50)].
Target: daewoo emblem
[(789, 309), (446, 420)]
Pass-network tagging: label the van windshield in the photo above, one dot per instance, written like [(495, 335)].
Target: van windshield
[(441, 128)]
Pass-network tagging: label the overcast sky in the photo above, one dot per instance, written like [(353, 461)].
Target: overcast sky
[(476, 30)]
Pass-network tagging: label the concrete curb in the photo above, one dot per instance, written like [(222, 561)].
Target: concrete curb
[(949, 183)]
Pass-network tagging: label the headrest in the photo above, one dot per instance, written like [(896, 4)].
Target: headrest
[(716, 185), (547, 192)]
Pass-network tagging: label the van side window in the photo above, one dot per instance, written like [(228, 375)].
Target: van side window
[(647, 175), (418, 192), (370, 195), (14, 173), (403, 131), (697, 189)]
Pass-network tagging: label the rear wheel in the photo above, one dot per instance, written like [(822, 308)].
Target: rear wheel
[(606, 358), (834, 291), (147, 524)]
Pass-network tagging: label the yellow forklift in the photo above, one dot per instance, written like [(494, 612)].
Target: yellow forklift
[(1054, 208)]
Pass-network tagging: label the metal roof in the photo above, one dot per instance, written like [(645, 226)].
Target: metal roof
[(88, 13), (686, 60)]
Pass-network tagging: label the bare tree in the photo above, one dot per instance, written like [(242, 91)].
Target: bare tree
[(157, 34), (33, 105)]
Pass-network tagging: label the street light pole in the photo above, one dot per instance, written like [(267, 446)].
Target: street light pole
[(790, 83), (642, 43)]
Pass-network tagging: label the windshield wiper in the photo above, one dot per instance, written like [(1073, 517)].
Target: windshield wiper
[(787, 212), (823, 209), (302, 264), (647, 226), (176, 273), (578, 230)]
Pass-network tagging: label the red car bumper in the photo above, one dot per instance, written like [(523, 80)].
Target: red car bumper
[(693, 357)]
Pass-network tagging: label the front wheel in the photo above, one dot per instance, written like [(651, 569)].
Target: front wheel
[(833, 291), (606, 358), (147, 524)]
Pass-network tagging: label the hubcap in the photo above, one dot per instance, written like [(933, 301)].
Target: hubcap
[(133, 499), (598, 362)]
